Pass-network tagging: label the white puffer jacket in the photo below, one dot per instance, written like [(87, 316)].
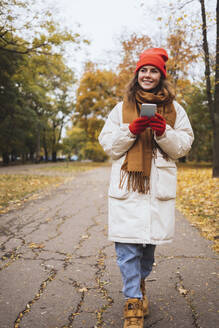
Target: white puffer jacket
[(135, 217)]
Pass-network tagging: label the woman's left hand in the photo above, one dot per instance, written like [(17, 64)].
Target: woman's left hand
[(158, 124)]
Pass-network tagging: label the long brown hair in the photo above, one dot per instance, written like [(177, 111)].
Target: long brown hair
[(133, 86)]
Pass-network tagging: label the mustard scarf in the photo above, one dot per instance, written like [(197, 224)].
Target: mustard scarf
[(137, 165)]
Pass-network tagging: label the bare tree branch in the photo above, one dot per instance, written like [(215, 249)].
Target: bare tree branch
[(207, 63), (185, 4), (27, 51)]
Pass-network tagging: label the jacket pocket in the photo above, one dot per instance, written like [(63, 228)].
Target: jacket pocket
[(114, 190), (166, 179)]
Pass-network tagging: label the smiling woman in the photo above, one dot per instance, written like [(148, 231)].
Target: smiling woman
[(142, 188), (149, 77)]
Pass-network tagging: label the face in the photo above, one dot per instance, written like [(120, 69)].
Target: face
[(148, 77)]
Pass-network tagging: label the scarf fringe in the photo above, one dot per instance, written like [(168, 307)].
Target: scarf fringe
[(136, 181)]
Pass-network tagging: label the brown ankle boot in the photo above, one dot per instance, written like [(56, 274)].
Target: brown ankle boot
[(133, 313), (145, 299)]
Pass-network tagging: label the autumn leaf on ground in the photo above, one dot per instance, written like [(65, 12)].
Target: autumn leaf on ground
[(82, 290), (183, 291), (35, 246), (198, 200)]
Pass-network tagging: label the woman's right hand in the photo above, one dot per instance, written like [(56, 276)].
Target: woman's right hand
[(139, 125)]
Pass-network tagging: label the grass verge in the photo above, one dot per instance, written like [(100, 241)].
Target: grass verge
[(14, 188), (198, 200), (17, 188)]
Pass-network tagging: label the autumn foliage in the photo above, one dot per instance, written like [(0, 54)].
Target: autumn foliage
[(198, 200), (131, 48)]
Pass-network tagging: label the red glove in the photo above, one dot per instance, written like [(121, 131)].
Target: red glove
[(158, 124), (139, 125)]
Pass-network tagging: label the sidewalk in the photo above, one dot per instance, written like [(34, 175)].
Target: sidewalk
[(58, 269)]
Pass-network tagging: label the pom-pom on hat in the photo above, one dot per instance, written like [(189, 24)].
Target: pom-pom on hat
[(154, 56)]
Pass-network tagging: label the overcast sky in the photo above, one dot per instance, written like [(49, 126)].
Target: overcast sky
[(103, 21)]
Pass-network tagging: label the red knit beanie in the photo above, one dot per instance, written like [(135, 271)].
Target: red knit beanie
[(155, 57)]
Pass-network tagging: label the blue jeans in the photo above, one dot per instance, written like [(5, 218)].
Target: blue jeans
[(135, 262)]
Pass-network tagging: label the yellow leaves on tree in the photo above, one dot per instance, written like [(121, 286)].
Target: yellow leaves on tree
[(132, 47), (181, 55), (95, 98)]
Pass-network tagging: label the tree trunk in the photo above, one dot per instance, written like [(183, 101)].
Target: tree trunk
[(13, 156), (5, 158), (45, 146), (54, 152), (38, 145), (23, 158), (216, 105), (211, 104), (32, 156), (46, 154), (54, 156)]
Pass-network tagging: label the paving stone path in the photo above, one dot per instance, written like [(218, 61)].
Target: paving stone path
[(58, 270)]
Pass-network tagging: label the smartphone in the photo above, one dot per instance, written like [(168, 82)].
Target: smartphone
[(148, 110)]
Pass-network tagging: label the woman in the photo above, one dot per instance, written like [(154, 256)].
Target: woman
[(142, 189)]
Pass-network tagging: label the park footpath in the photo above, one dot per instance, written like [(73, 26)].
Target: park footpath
[(57, 268)]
